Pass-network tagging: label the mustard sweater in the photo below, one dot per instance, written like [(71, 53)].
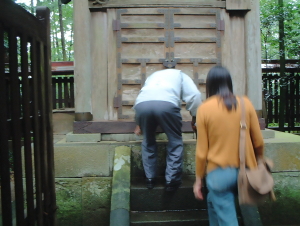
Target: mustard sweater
[(218, 133)]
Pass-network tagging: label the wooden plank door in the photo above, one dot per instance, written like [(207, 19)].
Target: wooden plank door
[(150, 39)]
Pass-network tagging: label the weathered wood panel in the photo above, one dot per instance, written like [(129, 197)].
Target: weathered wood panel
[(130, 92), (238, 5), (131, 71), (145, 41), (195, 21), (195, 50), (147, 19), (143, 50)]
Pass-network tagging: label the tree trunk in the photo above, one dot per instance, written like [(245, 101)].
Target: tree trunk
[(62, 31), (71, 42), (283, 82)]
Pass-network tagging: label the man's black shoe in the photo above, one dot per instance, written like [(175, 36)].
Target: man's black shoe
[(172, 186), (150, 182)]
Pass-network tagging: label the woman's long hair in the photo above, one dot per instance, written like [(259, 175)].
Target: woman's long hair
[(218, 82)]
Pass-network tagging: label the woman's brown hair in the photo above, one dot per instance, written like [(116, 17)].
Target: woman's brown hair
[(218, 82)]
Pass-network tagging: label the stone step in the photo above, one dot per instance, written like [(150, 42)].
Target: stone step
[(157, 199), (169, 218)]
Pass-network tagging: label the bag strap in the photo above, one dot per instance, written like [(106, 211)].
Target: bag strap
[(243, 127)]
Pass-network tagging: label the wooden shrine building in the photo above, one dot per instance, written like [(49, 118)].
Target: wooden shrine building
[(119, 43)]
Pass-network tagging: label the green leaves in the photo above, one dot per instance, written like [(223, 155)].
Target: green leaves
[(67, 23), (269, 15)]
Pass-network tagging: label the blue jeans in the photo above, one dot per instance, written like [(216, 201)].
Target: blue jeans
[(222, 190)]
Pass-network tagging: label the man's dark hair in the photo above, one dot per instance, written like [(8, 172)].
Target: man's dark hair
[(218, 82)]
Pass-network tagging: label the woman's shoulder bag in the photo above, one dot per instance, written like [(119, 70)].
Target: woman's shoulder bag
[(254, 185)]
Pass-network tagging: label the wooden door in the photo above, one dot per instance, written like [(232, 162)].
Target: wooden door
[(149, 38)]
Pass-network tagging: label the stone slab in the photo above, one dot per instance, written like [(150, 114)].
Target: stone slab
[(88, 137), (119, 217), (96, 217), (69, 201), (121, 179), (267, 133), (286, 156), (96, 193), (157, 199), (133, 137), (62, 122), (120, 137), (82, 160)]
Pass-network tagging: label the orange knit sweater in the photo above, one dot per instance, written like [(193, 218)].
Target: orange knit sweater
[(218, 133)]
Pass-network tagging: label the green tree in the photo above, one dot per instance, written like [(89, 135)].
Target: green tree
[(270, 15), (61, 17)]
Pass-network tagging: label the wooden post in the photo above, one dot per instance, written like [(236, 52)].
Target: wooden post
[(253, 56), (233, 52), (99, 65), (82, 59)]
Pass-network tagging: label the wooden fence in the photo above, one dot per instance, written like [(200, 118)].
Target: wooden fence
[(272, 86), (63, 92), (26, 137)]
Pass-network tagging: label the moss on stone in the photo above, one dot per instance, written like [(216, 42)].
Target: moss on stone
[(285, 210)]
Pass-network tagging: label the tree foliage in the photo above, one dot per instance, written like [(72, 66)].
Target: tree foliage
[(270, 14), (65, 26)]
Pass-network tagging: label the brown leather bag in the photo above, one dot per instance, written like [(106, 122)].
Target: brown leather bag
[(254, 185)]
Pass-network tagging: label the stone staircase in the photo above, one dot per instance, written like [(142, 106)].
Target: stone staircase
[(157, 207)]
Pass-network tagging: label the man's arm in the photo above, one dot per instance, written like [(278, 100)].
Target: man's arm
[(190, 94)]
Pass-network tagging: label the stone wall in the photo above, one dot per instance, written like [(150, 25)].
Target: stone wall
[(84, 175)]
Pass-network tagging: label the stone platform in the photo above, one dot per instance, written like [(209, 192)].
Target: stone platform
[(84, 171)]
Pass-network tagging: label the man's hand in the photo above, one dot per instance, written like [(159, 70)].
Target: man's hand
[(193, 124), (197, 189), (137, 130)]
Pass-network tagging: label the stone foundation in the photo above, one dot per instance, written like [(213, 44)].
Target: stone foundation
[(84, 177)]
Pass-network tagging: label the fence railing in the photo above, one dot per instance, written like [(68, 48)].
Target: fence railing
[(63, 84), (63, 92), (26, 137), (272, 86)]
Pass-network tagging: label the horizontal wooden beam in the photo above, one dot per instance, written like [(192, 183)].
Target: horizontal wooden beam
[(119, 127), (95, 5), (238, 5), (62, 68), (115, 127)]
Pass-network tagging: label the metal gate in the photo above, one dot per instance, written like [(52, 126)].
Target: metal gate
[(26, 139)]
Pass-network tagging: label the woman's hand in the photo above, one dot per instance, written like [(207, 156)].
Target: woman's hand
[(197, 189)]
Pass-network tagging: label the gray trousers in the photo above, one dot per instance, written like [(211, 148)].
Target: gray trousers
[(149, 115)]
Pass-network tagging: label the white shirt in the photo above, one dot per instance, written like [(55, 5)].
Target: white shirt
[(171, 85)]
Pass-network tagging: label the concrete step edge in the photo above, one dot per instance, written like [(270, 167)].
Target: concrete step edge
[(168, 216)]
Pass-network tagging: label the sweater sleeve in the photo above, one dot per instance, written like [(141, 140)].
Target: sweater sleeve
[(190, 94), (255, 133), (202, 144)]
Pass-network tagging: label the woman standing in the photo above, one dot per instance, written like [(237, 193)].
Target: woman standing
[(217, 150)]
